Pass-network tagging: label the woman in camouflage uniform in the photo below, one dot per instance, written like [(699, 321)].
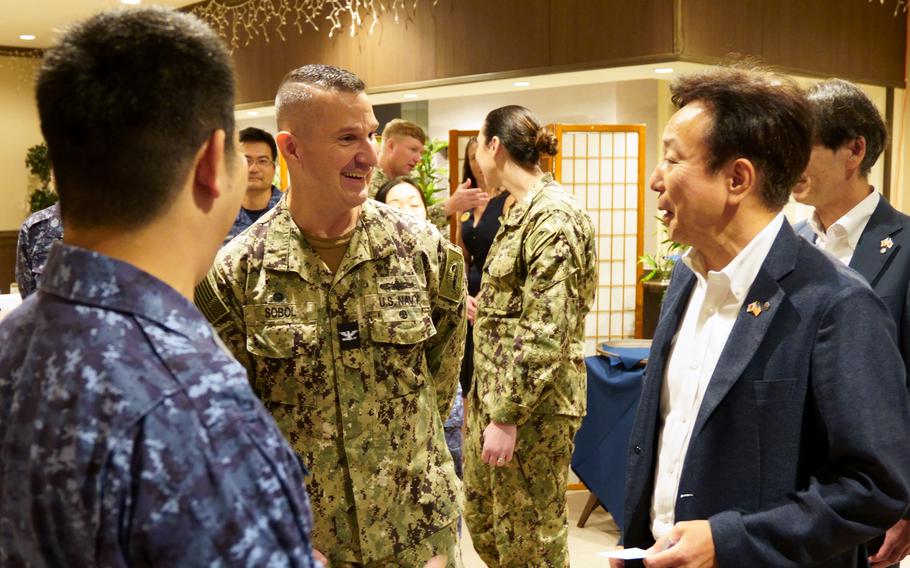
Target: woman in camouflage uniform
[(538, 284)]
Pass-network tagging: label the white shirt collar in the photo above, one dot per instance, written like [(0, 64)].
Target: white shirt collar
[(851, 224), (740, 272)]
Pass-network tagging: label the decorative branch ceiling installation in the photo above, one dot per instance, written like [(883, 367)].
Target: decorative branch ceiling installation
[(240, 23), (899, 5)]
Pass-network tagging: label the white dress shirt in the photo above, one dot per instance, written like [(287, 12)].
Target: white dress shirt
[(841, 237), (714, 305)]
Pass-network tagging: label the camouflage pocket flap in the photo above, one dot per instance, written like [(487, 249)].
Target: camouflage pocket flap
[(502, 265), (279, 341), (405, 326)]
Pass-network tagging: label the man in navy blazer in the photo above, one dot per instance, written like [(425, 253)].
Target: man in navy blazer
[(772, 424), (856, 224)]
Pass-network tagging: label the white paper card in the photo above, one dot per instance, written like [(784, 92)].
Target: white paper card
[(625, 554)]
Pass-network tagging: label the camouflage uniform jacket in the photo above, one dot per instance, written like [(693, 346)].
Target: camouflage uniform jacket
[(436, 213), (244, 219), (36, 235), (538, 284), (358, 368), (130, 437)]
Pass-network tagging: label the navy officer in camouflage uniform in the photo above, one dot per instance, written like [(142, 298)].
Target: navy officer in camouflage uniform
[(36, 235), (128, 435), (349, 316), (530, 386)]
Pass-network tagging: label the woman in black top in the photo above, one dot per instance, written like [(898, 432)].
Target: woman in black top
[(478, 228)]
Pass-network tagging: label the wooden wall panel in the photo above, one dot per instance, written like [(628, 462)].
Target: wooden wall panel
[(7, 259), (498, 36), (604, 30), (462, 39), (711, 28), (857, 40)]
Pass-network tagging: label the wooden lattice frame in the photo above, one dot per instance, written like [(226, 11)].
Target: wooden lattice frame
[(555, 165)]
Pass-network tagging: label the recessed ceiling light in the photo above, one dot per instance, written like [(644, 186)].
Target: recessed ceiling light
[(663, 70), (411, 95), (252, 113), (521, 84), (27, 37), (131, 2)]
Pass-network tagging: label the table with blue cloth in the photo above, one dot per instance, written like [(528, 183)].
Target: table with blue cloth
[(601, 443)]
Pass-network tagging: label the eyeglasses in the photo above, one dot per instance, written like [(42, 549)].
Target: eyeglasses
[(261, 162)]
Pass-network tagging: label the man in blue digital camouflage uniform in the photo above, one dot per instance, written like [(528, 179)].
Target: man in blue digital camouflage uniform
[(260, 152), (128, 435), (36, 235)]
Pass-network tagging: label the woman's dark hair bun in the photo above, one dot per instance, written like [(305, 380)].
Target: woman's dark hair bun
[(546, 142), (521, 134)]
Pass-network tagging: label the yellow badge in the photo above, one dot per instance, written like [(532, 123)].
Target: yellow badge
[(886, 244), (755, 308), (465, 216)]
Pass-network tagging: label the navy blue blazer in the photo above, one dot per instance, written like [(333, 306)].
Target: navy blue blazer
[(799, 453), (887, 272)]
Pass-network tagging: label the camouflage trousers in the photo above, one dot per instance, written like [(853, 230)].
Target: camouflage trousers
[(517, 514), (444, 542)]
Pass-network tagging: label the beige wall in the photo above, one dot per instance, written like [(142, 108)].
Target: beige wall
[(20, 129)]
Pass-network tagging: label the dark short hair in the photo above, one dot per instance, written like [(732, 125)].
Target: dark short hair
[(466, 172), (387, 187), (253, 134), (757, 115), (843, 113), (126, 98), (521, 134), (295, 87)]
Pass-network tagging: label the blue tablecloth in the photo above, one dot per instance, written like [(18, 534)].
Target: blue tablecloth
[(601, 444)]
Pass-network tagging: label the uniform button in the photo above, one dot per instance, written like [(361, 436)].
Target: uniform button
[(278, 297), (693, 365), (403, 314), (684, 419), (637, 449)]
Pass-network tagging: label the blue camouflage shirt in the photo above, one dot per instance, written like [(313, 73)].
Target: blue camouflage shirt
[(36, 235), (245, 217), (130, 437)]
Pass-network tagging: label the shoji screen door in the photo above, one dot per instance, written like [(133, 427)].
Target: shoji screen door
[(604, 167)]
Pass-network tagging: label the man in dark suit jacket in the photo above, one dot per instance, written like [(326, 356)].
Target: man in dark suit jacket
[(856, 224), (773, 418)]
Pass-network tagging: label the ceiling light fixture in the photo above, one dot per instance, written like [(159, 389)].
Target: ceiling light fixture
[(132, 2), (521, 84), (252, 113), (411, 96), (663, 70), (27, 37)]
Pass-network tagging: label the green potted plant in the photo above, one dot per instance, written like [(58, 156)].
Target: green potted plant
[(658, 268), (41, 194), (425, 173)]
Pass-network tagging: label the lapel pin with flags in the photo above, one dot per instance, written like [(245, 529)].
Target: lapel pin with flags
[(886, 244), (755, 308)]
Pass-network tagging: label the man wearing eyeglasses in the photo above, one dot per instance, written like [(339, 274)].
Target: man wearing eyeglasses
[(260, 152)]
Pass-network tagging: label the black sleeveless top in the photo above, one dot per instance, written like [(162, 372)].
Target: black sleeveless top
[(479, 239)]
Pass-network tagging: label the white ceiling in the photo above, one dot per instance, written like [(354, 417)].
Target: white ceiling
[(45, 19), (491, 86)]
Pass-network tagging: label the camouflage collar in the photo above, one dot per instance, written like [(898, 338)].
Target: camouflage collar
[(287, 250), (520, 210), (87, 277)]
